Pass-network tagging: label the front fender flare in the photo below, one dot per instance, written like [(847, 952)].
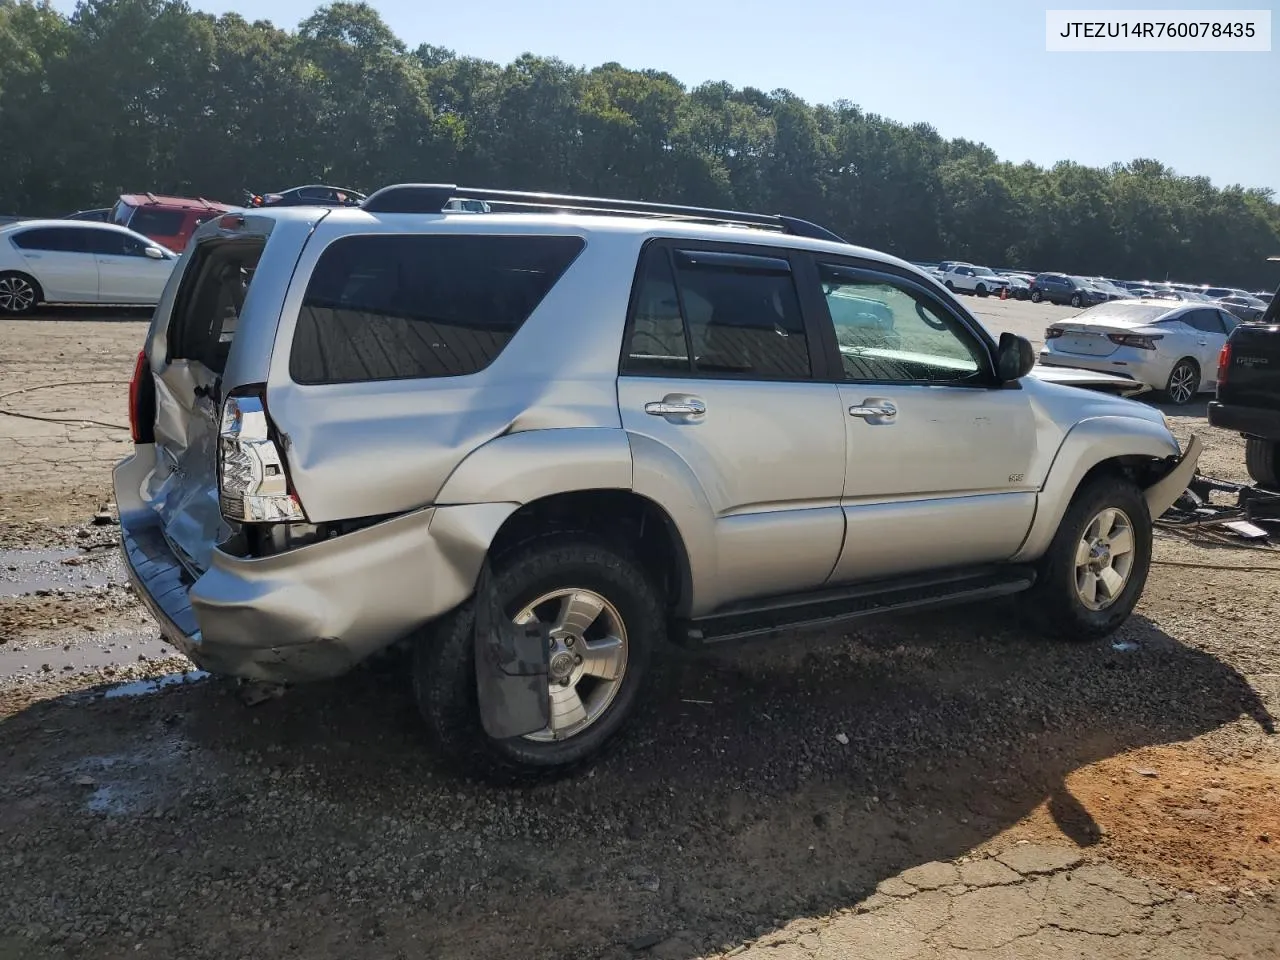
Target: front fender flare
[(1089, 443)]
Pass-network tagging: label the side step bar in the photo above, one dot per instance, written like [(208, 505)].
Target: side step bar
[(826, 607)]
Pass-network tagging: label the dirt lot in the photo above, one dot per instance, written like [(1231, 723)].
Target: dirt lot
[(934, 786)]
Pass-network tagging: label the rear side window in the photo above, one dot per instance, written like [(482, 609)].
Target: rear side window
[(731, 314), (158, 223), (52, 239), (401, 307)]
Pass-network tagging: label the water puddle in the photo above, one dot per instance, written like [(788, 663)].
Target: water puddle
[(52, 572), (83, 654), (144, 688)]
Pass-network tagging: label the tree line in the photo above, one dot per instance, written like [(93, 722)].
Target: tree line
[(138, 95)]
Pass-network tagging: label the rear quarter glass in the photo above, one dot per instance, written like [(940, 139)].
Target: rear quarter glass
[(392, 307)]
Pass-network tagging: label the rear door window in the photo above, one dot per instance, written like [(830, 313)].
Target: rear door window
[(399, 307), (208, 303)]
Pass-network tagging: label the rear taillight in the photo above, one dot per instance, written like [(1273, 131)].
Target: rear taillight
[(253, 484), (1141, 341), (1052, 333), (142, 401), (1224, 362)]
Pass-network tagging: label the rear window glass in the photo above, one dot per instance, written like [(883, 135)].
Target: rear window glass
[(157, 223), (1120, 310), (397, 307)]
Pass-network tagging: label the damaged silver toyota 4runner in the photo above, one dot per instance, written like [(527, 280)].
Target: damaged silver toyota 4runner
[(535, 443)]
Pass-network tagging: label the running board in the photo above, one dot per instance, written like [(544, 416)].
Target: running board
[(827, 607)]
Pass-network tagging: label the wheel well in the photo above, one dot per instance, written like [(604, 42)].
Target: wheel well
[(1138, 470), (29, 278), (626, 518)]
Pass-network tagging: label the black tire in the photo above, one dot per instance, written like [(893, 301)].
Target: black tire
[(12, 302), (1262, 460), (1076, 300), (1173, 391), (1054, 604), (981, 290), (444, 679), (951, 286), (1036, 296)]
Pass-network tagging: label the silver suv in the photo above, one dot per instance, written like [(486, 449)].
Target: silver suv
[(536, 443)]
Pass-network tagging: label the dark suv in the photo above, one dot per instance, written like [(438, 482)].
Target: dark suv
[(1062, 288)]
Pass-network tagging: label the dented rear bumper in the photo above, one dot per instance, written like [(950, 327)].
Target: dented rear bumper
[(312, 612)]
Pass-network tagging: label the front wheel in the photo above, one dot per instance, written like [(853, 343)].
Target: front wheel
[(605, 618), (982, 290), (1076, 300), (18, 294), (1094, 571), (1036, 296)]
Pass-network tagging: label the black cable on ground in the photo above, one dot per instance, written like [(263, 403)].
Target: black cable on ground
[(70, 383)]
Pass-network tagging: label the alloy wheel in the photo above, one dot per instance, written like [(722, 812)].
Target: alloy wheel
[(1104, 559), (1182, 383), (587, 658), (17, 295)]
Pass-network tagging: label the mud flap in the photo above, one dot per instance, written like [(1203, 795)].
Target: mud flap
[(511, 668)]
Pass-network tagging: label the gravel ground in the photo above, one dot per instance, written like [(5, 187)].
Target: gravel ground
[(760, 788)]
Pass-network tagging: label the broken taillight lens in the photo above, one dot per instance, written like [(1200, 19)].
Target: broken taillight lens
[(253, 485), (1224, 362), (142, 401)]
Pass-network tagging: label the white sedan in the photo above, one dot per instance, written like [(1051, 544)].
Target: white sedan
[(1169, 346), (74, 261)]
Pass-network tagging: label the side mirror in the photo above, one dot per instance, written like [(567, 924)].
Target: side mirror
[(155, 253), (1014, 357)]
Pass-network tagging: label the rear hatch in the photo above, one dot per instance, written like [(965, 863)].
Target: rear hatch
[(211, 337)]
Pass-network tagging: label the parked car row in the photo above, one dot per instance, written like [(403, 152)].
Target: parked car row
[(119, 255), (1066, 289)]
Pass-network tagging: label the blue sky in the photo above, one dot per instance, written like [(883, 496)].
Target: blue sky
[(977, 70)]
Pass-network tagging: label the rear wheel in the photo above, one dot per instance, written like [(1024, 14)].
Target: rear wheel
[(19, 294), (951, 286), (1036, 296), (1262, 460), (1077, 300), (605, 616), (1184, 382), (1094, 571)]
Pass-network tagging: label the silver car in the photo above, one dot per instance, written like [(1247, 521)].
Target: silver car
[(534, 446), (1169, 346)]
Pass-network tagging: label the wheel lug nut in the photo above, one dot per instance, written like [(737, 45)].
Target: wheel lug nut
[(577, 659), (568, 642)]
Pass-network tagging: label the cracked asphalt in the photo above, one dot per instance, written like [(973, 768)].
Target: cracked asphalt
[(1031, 901)]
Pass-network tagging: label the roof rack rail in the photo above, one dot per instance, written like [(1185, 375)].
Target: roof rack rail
[(432, 197)]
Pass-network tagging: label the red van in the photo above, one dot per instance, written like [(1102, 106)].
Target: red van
[(169, 221)]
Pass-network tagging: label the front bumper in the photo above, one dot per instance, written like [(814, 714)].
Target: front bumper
[(1257, 422), (1161, 495), (312, 612)]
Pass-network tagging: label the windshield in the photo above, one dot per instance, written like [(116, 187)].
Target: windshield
[(121, 213)]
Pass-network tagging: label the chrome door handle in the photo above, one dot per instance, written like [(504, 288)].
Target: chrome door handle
[(872, 410), (676, 407)]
